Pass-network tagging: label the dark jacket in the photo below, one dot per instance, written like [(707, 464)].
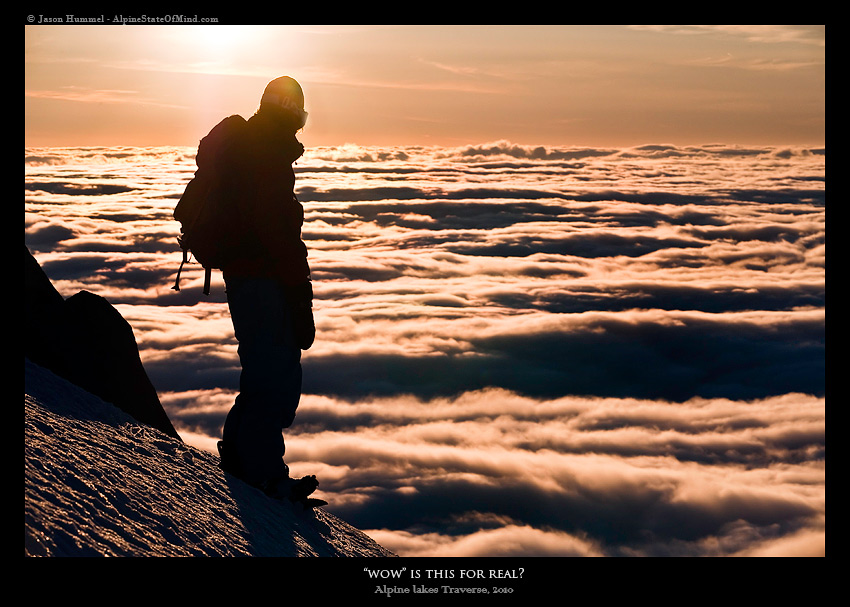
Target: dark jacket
[(270, 214)]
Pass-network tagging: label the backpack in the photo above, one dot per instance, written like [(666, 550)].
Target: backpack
[(207, 212)]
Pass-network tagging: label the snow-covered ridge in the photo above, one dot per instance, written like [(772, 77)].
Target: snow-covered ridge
[(99, 483)]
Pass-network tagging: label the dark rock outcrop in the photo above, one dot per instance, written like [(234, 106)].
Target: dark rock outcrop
[(85, 340)]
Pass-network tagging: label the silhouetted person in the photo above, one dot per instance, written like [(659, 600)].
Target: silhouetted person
[(269, 294)]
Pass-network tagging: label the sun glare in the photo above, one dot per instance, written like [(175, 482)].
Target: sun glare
[(220, 41), (234, 49)]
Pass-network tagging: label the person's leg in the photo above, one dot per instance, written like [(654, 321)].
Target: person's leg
[(270, 381)]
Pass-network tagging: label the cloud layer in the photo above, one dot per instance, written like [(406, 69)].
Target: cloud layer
[(522, 350)]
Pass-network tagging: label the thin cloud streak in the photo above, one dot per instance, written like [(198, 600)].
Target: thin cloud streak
[(766, 34)]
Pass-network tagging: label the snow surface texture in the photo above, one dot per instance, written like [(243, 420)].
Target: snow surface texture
[(98, 483)]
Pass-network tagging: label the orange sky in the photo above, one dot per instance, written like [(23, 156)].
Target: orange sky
[(431, 85)]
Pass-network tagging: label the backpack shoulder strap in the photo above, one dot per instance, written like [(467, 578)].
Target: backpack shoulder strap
[(219, 138)]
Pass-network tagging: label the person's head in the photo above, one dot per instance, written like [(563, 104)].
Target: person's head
[(284, 97)]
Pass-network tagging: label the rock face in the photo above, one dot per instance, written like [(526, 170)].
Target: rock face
[(85, 340), (105, 472)]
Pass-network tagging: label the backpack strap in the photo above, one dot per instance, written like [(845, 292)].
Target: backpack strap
[(176, 286), (207, 276)]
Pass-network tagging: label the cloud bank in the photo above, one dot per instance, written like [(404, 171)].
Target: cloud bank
[(522, 350)]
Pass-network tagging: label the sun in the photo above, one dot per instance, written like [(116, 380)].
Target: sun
[(221, 36), (220, 41), (251, 50)]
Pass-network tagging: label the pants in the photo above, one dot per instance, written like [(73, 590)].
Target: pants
[(270, 381)]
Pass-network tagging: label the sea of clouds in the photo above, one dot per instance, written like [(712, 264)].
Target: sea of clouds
[(521, 350)]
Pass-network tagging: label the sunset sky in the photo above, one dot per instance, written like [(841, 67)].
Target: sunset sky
[(432, 85), (569, 281)]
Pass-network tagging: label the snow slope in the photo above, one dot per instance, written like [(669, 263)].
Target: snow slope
[(98, 483)]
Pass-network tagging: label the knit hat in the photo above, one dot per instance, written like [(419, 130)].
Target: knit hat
[(286, 93)]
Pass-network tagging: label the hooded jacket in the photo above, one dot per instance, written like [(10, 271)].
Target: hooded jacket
[(270, 215)]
